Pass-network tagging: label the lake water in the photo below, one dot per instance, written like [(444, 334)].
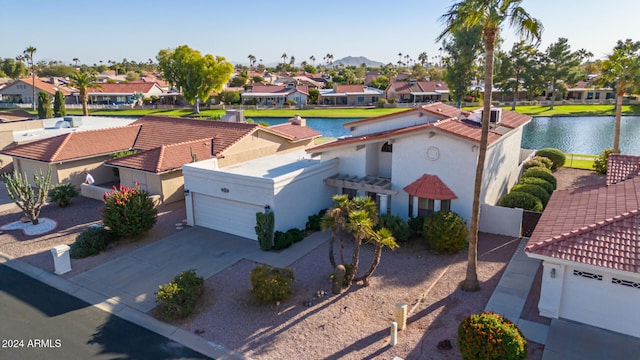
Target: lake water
[(578, 135)]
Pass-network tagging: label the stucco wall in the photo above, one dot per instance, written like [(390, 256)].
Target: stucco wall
[(352, 161), (31, 167), (501, 167), (500, 220), (172, 187), (73, 171), (147, 181), (258, 144), (398, 121)]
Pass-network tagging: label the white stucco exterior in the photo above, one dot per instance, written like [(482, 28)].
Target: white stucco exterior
[(592, 295), (291, 186)]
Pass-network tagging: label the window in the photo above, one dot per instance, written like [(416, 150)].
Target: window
[(360, 99), (597, 95), (374, 99), (425, 206), (625, 283), (610, 95), (589, 96), (386, 147), (351, 193), (587, 275), (445, 205)]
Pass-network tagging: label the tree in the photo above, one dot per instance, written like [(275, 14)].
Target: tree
[(252, 61), (13, 68), (380, 82), (313, 95), (313, 60), (490, 15), (515, 69), (462, 50), (284, 58), (621, 70), (75, 61), (29, 51), (44, 105), (423, 58), (560, 64), (230, 97), (23, 194), (84, 81), (195, 75)]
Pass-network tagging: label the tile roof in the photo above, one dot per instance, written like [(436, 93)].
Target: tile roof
[(15, 115), (430, 187), (161, 130), (122, 88), (349, 88), (76, 145), (166, 157), (596, 225), (622, 167), (48, 87), (408, 87), (295, 132)]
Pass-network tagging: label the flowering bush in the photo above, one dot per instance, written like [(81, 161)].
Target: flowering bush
[(490, 336), (129, 211)]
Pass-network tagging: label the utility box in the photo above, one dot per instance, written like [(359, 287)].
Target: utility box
[(61, 259)]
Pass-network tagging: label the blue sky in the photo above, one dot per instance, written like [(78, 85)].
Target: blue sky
[(377, 29)]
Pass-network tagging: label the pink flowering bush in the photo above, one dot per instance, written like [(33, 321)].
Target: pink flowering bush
[(490, 336), (129, 211)]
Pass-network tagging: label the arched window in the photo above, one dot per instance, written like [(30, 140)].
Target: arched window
[(386, 147)]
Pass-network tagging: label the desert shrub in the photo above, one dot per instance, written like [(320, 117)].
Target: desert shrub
[(537, 173), (271, 284), (416, 224), (445, 231), (281, 240), (540, 182), (556, 156), (522, 200), (398, 227), (91, 241), (178, 298), (128, 211), (535, 190), (545, 161), (62, 194), (314, 222), (490, 336), (600, 163), (265, 223), (295, 234), (533, 163)]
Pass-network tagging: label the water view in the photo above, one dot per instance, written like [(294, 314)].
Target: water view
[(577, 135)]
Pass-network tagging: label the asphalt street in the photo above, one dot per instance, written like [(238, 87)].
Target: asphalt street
[(41, 322)]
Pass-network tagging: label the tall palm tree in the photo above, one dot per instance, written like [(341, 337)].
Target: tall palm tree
[(84, 81), (335, 219), (252, 61), (284, 58), (490, 14), (361, 227), (75, 60), (313, 60), (29, 51), (381, 238), (621, 70), (423, 58)]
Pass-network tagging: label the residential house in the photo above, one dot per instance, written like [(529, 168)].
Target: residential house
[(122, 93), (163, 145), (589, 242), (424, 159), (414, 91), (12, 120), (353, 95), (584, 90), (21, 90), (271, 95), (412, 163)]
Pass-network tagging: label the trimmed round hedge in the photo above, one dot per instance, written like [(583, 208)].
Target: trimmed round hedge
[(533, 163), (522, 200), (556, 156), (537, 173), (544, 160), (490, 336), (540, 168), (540, 182), (535, 190), (445, 231)]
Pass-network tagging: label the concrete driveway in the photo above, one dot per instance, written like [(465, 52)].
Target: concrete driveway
[(134, 278)]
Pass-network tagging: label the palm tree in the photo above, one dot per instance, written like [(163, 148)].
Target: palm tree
[(490, 15), (381, 238), (361, 227), (284, 58), (84, 81), (335, 219), (252, 61), (423, 58), (313, 60), (621, 70), (29, 51), (75, 60)]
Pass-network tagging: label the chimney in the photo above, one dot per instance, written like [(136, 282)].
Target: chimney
[(298, 120), (54, 81)]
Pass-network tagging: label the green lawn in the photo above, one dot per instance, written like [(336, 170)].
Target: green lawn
[(575, 110), (580, 161)]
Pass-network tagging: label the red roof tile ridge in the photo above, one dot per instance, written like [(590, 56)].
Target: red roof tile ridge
[(582, 230), (66, 136)]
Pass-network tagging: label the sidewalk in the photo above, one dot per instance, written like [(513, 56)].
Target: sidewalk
[(126, 286)]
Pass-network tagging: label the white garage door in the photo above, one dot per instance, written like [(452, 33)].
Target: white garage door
[(600, 300), (225, 215)]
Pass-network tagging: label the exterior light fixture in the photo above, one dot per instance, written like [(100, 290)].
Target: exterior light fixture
[(186, 192), (553, 273)]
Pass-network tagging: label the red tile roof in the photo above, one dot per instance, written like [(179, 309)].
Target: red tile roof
[(622, 167), (166, 157), (76, 145), (597, 225), (349, 88), (430, 187), (295, 132), (48, 87), (465, 129), (122, 88)]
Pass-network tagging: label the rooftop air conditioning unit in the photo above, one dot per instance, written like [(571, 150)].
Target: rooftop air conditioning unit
[(496, 116)]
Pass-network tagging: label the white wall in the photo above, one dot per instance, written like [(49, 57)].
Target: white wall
[(500, 220), (352, 161), (398, 121), (501, 169)]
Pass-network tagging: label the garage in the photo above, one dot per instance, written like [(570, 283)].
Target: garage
[(225, 215)]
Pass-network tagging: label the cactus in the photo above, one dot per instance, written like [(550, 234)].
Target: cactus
[(337, 281), (23, 194)]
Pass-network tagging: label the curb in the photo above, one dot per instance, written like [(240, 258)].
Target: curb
[(113, 306)]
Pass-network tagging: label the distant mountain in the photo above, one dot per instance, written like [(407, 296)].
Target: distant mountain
[(357, 61)]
